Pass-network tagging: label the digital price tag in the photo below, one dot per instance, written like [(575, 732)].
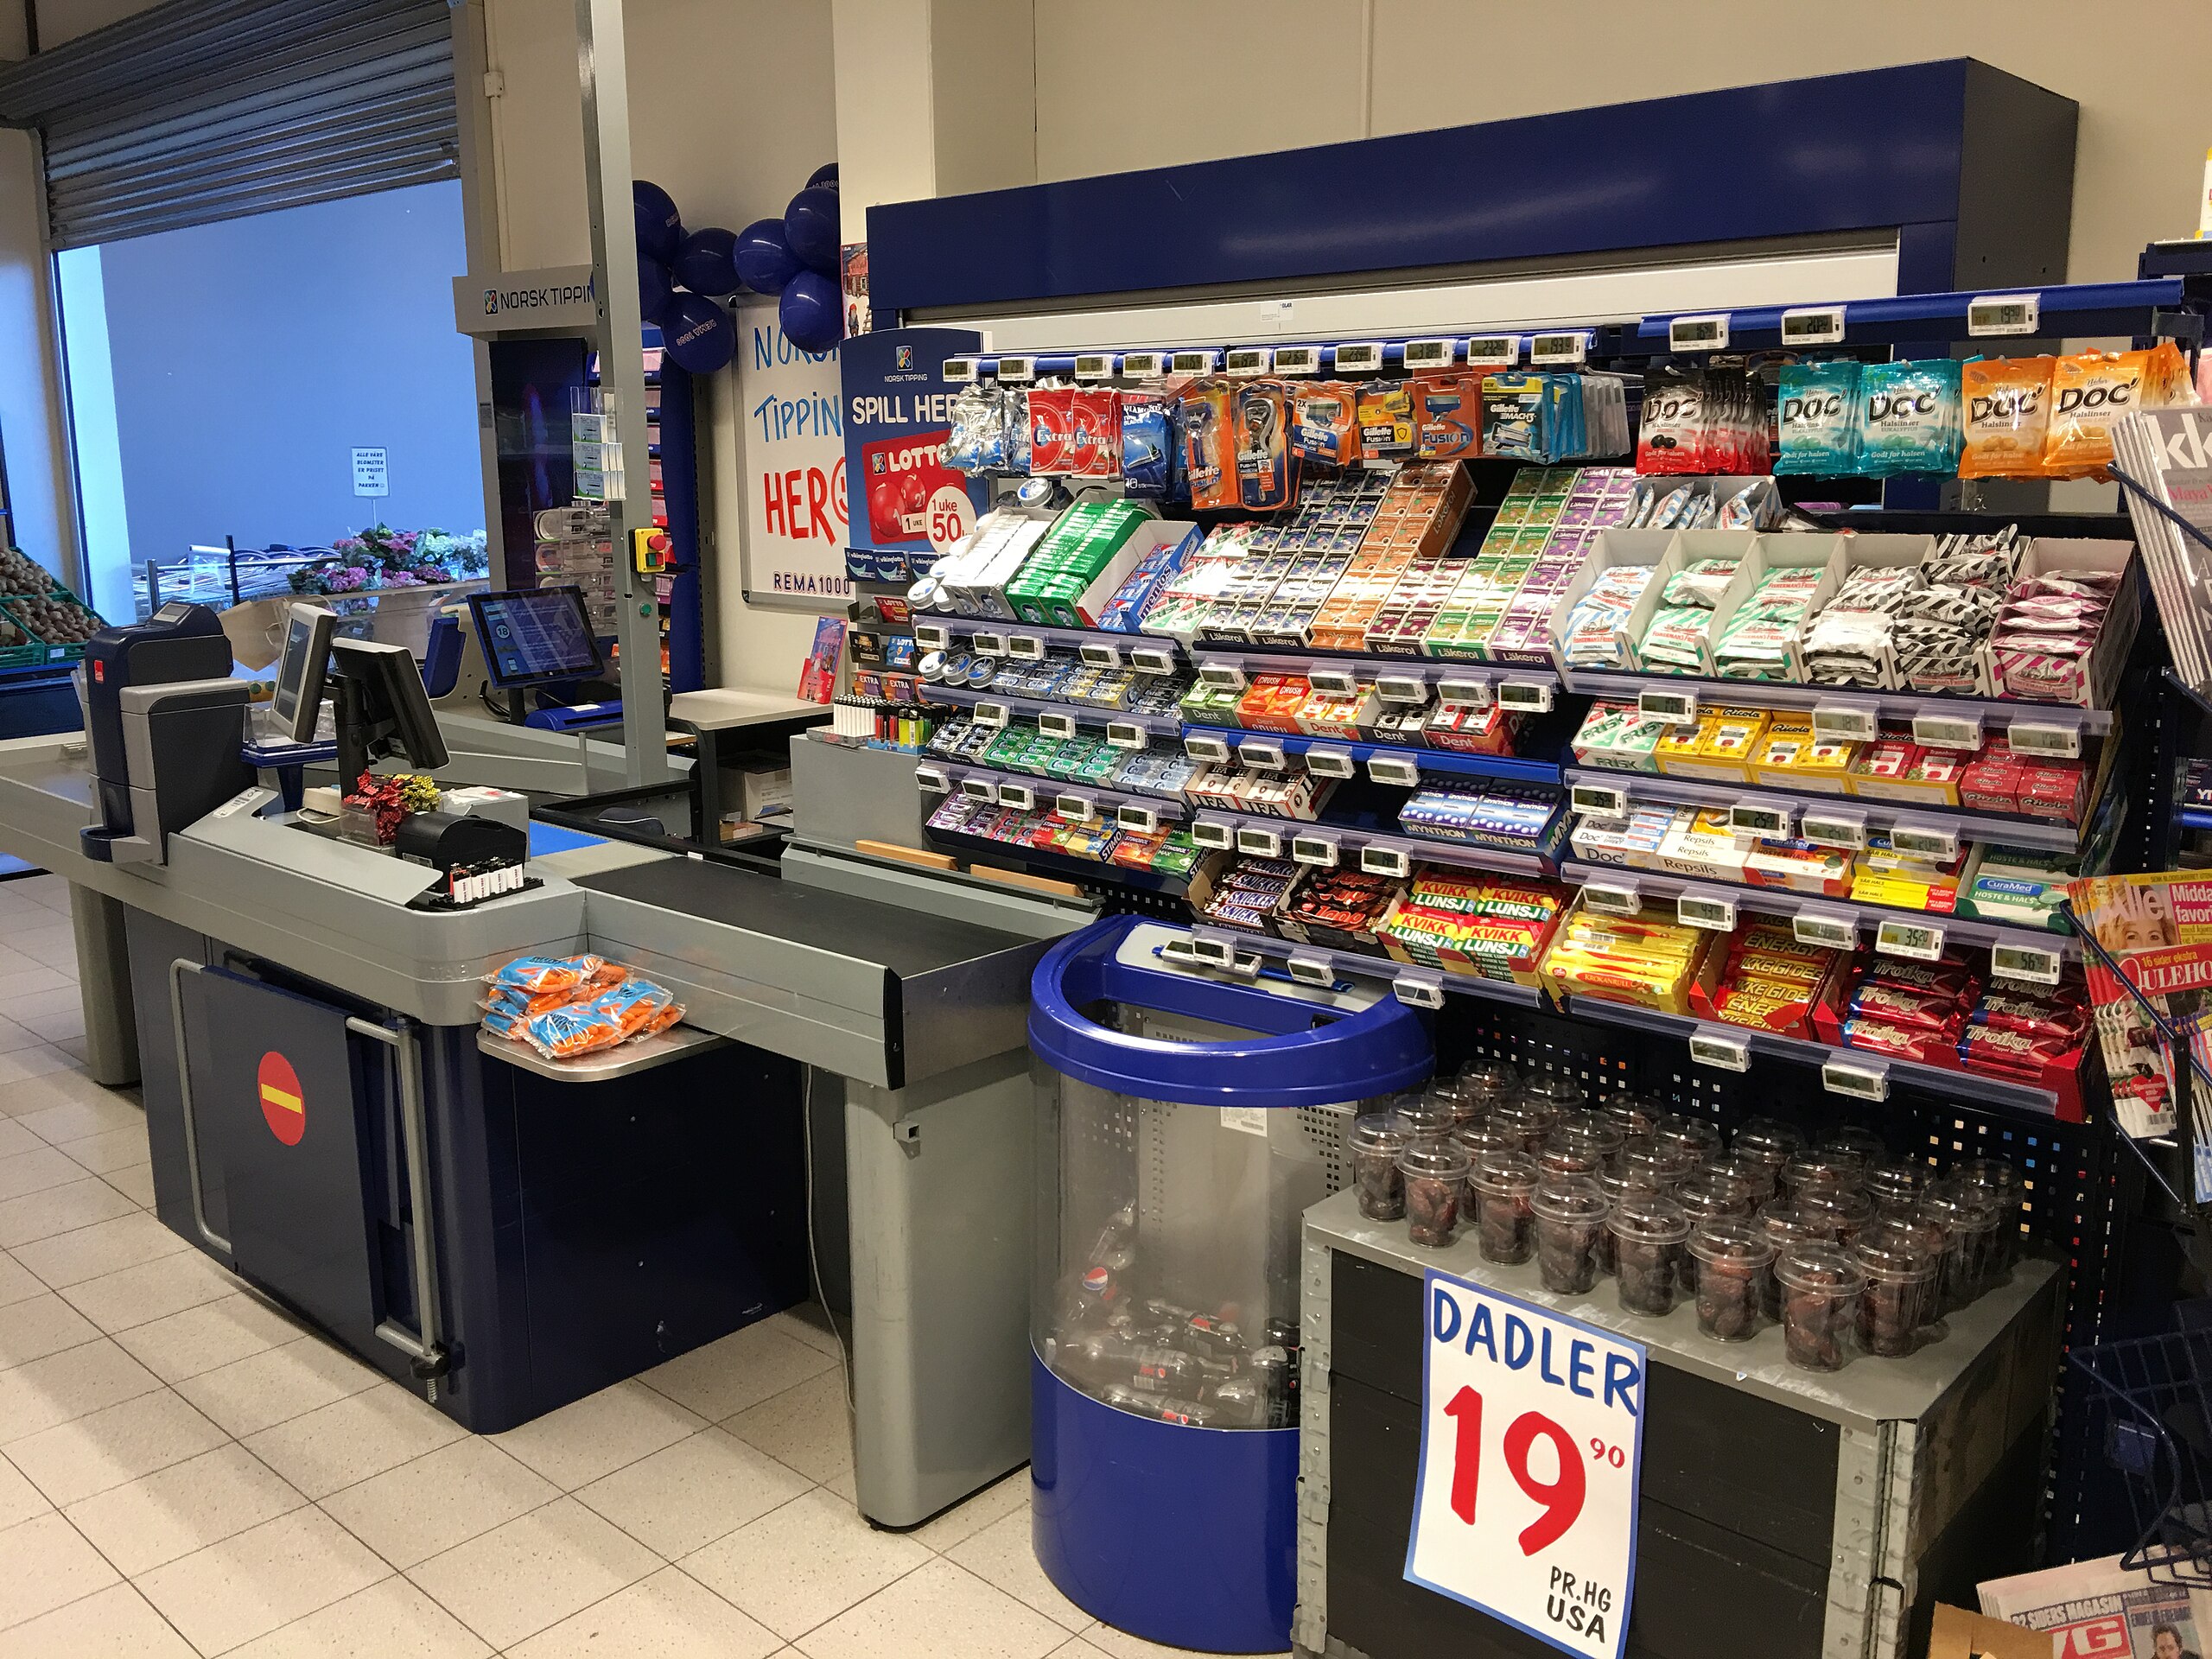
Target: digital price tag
[(1215, 949), (1020, 797), (956, 371), (1464, 694), (1406, 689), (1430, 355), (1121, 735), (1728, 1050), (2032, 964), (1109, 656), (979, 789), (1493, 351), (1074, 809), (1259, 843), (1937, 840), (1333, 682), (1151, 659), (1226, 676), (1613, 898), (2004, 314), (1297, 360), (1312, 970), (1856, 1079), (1846, 722), (1418, 990), (1142, 819), (1827, 826), (1320, 851), (1397, 771), (1247, 362), (1772, 820), (1713, 912), (1825, 930), (1013, 370), (1525, 696), (1261, 753), (1212, 834), (1558, 350), (1197, 362), (1385, 860), (988, 645), (1025, 648), (1360, 357), (1709, 333), (1599, 800), (1060, 726), (2061, 740), (933, 780), (929, 636), (1948, 731), (1094, 366), (992, 714), (1210, 751), (1678, 707), (1331, 763), (1812, 325), (1143, 366), (1915, 941)]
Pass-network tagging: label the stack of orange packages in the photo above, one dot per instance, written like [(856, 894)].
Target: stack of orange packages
[(1767, 981)]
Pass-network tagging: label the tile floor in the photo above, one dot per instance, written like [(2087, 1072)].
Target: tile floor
[(185, 1471)]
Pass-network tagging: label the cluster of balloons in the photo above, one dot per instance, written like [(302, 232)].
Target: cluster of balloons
[(681, 273)]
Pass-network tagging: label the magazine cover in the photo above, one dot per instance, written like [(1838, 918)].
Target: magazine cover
[(2157, 929), (2097, 1610)]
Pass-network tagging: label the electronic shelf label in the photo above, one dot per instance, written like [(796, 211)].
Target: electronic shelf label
[(1469, 694), (1143, 366), (1937, 840), (1430, 355), (994, 714), (1828, 827), (1562, 350), (1197, 362), (1020, 797), (1094, 366), (1025, 648), (1915, 941), (1259, 843), (931, 636), (1709, 333), (1678, 707), (2035, 965), (1013, 369), (2061, 740), (1060, 726), (1846, 722), (990, 644), (978, 789), (1385, 860), (1494, 351), (1212, 834), (1333, 682), (1331, 763), (1227, 675), (1297, 360), (1209, 751), (1941, 731), (1825, 928), (1813, 324), (1125, 734), (1725, 1049), (1600, 800), (1360, 357), (1612, 898), (1247, 362), (1407, 688), (1151, 659), (1418, 990), (1074, 809), (956, 371), (1214, 949), (1261, 753), (1526, 696), (1398, 771), (1142, 819), (2004, 314), (933, 780), (1772, 820), (1855, 1078), (1317, 850), (1109, 656), (1716, 912), (1312, 970)]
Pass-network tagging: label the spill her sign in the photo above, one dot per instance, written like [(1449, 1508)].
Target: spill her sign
[(1531, 1445)]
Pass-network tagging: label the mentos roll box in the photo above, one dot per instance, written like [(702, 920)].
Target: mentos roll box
[(1189, 1114)]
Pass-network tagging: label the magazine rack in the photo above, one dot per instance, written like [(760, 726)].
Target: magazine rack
[(2153, 1408)]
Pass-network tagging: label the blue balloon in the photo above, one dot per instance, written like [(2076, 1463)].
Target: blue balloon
[(810, 226), (811, 312), (660, 228), (763, 257), (698, 334), (704, 265), (654, 290), (822, 178)]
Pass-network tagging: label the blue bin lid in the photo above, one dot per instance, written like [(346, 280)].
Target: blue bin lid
[(1299, 1055)]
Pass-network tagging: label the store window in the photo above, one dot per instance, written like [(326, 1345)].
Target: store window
[(221, 378)]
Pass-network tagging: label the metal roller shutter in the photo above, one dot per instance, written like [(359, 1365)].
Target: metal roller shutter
[(205, 109)]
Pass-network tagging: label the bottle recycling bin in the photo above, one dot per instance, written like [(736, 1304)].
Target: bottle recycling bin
[(1188, 1117)]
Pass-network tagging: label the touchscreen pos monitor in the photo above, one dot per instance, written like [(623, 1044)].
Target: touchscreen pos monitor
[(381, 707), (300, 677)]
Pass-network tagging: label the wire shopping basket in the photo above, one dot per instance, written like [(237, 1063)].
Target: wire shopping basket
[(2152, 1412)]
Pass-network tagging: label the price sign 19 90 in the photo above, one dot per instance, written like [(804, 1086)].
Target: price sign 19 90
[(1531, 1456)]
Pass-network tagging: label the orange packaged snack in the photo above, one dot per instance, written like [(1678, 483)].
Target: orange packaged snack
[(2094, 391), (2008, 416)]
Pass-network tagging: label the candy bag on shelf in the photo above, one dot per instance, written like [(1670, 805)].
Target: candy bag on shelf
[(1908, 417), (2008, 409), (1818, 419)]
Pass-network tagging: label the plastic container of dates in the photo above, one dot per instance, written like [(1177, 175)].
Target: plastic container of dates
[(1435, 1173), (1899, 1299), (2002, 1182), (1570, 1218), (1373, 1144), (1732, 1267), (1972, 1250), (1171, 1174), (1649, 1230), (1821, 1287), (1504, 1187)]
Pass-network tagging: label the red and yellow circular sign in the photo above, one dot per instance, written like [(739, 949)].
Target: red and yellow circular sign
[(281, 1104)]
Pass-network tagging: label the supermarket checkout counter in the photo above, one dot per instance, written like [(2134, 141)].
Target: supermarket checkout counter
[(508, 1236)]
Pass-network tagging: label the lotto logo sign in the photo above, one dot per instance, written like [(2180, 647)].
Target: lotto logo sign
[(903, 476)]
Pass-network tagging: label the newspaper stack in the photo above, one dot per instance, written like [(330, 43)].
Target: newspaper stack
[(2168, 453), (2103, 1608)]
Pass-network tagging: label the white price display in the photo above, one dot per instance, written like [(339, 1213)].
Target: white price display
[(992, 714), (1227, 675), (1531, 1463), (1247, 362), (1259, 843), (1846, 722), (1074, 809), (1914, 940), (1407, 688), (1830, 932), (1121, 735), (1612, 898), (1679, 706), (1861, 1082), (1060, 726), (1395, 769), (1317, 850), (928, 636), (1261, 755), (1552, 351), (1417, 990), (1017, 368), (1210, 832), (1948, 731), (1833, 828), (1751, 819), (990, 644), (956, 369), (1939, 841), (1600, 800), (1385, 860), (1708, 911), (2061, 740), (2004, 314), (1311, 970), (1142, 819), (1333, 682), (1812, 325), (1213, 948), (1430, 353), (1147, 659), (1493, 351), (1465, 693), (1297, 360), (1025, 647), (2031, 963), (1020, 797), (1360, 357), (1109, 656), (1137, 366), (978, 789), (1705, 334), (1529, 696), (1210, 750), (1192, 362), (1330, 763), (932, 780), (1094, 366), (1724, 1049)]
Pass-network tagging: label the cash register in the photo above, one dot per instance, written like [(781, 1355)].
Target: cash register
[(535, 639)]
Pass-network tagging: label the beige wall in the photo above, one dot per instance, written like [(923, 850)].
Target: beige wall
[(1438, 63)]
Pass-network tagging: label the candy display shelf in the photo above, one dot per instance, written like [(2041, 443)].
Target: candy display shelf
[(949, 629), (1865, 920), (1375, 850), (1877, 816), (1008, 789), (1088, 714), (1994, 713), (1428, 763), (1528, 687), (1246, 952), (1844, 1070)]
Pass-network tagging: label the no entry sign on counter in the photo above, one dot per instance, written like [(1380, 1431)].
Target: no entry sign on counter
[(1532, 1444)]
